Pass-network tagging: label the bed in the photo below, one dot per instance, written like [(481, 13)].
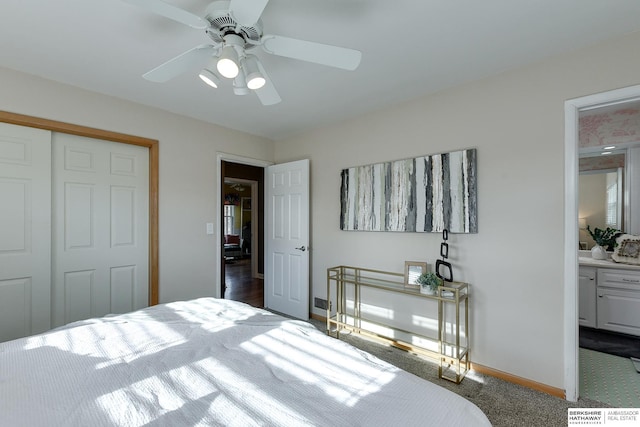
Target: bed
[(211, 362)]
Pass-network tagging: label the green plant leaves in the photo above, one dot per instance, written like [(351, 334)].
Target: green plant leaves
[(606, 238)]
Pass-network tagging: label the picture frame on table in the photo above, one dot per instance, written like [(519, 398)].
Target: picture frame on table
[(413, 270)]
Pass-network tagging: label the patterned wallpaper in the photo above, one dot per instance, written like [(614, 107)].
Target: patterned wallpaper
[(617, 126), (601, 162)]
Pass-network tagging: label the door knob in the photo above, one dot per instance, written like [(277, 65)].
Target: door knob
[(301, 248)]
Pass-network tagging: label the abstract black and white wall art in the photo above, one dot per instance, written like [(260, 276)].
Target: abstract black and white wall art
[(424, 194)]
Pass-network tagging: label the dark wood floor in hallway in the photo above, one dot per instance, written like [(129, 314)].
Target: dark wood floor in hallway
[(241, 286)]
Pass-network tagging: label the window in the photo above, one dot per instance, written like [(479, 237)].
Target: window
[(611, 208), (229, 219)]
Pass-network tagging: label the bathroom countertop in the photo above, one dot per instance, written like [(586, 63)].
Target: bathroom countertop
[(587, 261)]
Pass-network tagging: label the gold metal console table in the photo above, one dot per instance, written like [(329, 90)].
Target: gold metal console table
[(450, 348)]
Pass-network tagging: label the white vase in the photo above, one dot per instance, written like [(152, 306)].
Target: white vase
[(427, 290), (598, 252)]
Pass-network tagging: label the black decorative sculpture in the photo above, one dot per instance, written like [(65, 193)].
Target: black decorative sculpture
[(443, 268)]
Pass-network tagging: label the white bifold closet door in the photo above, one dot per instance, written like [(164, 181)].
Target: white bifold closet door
[(25, 231), (100, 228), (73, 229)]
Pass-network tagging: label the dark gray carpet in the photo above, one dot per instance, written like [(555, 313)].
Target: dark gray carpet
[(610, 342), (505, 404)]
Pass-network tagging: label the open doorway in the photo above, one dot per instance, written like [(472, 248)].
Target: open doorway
[(242, 243), (609, 331), (574, 308)]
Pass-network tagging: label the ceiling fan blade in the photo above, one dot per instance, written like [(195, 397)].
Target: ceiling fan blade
[(247, 12), (333, 56), (169, 11), (190, 59), (267, 93)]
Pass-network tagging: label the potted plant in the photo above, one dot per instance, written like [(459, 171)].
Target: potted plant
[(429, 283), (605, 240)]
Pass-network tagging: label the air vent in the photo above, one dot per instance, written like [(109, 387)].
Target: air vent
[(320, 303)]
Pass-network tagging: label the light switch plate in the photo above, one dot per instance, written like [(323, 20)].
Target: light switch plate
[(209, 228)]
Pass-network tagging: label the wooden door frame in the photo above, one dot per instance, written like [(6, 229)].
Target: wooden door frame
[(151, 144)]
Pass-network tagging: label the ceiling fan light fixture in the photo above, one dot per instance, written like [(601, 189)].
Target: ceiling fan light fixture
[(253, 76), (209, 77), (227, 66), (228, 60), (240, 85), (255, 83)]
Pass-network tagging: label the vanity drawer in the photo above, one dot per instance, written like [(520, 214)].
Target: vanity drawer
[(619, 279), (587, 297), (619, 310)]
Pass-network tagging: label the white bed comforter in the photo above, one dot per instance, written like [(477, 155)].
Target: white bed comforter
[(211, 362)]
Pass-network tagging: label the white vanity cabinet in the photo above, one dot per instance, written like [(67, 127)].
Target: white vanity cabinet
[(587, 296), (618, 300)]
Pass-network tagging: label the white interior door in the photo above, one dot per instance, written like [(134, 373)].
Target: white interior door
[(25, 231), (287, 239), (100, 228)]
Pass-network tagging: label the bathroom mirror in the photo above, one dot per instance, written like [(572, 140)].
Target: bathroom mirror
[(601, 201), (609, 167)]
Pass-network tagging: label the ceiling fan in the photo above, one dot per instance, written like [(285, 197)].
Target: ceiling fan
[(234, 28)]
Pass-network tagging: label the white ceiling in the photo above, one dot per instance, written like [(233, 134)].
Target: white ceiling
[(410, 48)]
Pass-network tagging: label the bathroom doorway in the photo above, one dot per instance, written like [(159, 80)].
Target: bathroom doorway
[(573, 109)]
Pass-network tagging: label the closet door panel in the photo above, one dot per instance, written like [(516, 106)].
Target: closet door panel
[(100, 226), (25, 231), (15, 308), (78, 291)]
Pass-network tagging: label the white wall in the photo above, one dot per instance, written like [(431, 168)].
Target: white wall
[(188, 185), (515, 262)]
